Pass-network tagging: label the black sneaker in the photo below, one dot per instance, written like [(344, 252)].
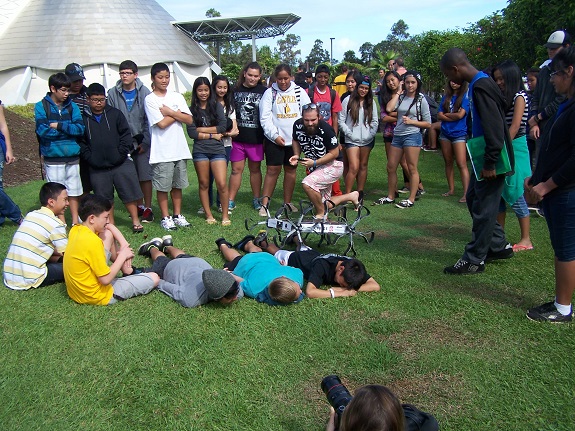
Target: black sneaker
[(261, 239), (548, 313), (241, 244), (406, 203), (506, 253), (221, 241), (144, 249), (167, 242), (463, 267)]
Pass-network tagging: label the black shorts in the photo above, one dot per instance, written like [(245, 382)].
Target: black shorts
[(161, 262), (232, 265), (123, 177), (276, 155)]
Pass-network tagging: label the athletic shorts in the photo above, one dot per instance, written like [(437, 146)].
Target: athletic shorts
[(66, 173), (143, 167), (242, 151), (170, 175), (323, 177), (123, 178), (276, 155), (130, 286)]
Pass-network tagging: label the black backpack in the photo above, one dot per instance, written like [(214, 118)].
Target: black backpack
[(417, 420)]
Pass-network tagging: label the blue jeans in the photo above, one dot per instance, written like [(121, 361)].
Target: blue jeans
[(483, 199), (559, 210), (8, 209)]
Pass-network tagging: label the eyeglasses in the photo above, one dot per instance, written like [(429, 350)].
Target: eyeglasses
[(308, 106), (64, 90), (98, 101), (557, 72), (126, 73)]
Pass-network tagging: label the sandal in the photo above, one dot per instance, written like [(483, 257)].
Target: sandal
[(446, 194), (519, 247), (226, 222), (211, 221), (137, 228)]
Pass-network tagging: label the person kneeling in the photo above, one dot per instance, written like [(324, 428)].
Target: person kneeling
[(189, 280), (89, 279)]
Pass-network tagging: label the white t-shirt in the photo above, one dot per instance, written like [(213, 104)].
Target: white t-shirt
[(169, 144)]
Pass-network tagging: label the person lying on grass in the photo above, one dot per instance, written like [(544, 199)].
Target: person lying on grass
[(345, 275), (189, 280), (261, 276), (89, 279)]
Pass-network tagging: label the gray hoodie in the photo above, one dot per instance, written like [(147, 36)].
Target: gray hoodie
[(137, 118)]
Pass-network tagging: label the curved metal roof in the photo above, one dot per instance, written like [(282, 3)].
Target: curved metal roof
[(52, 33), (225, 29)]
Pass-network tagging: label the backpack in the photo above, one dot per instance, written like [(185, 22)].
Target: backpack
[(48, 111), (297, 90), (417, 105), (417, 420), (433, 107)]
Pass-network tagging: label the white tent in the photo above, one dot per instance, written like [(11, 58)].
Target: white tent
[(40, 37)]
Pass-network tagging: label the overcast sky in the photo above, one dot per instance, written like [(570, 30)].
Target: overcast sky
[(350, 23)]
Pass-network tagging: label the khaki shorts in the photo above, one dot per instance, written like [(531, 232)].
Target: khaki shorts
[(170, 175)]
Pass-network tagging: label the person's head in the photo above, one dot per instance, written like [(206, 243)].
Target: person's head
[(310, 116), (381, 73), (94, 210), (220, 285), (373, 407), (562, 77), (391, 65), (128, 73), (96, 98), (309, 78), (507, 76), (350, 273), (282, 74), (251, 75), (59, 85), (160, 77), (412, 83), (392, 80), (558, 40), (76, 75), (363, 87), (398, 63), (201, 91), (54, 196), (344, 68), (351, 80), (361, 98), (322, 76), (284, 290), (456, 67), (532, 76), (221, 87), (454, 89)]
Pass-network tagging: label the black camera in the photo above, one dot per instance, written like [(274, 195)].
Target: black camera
[(337, 395)]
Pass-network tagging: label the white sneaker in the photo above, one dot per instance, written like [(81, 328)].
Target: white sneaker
[(263, 212), (181, 221), (168, 223)]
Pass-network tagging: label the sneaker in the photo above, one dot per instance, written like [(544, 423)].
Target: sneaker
[(141, 210), (144, 249), (181, 221), (263, 212), (426, 148), (221, 241), (168, 223), (291, 207), (231, 205), (403, 190), (167, 241), (147, 216), (548, 313), (383, 201), (463, 267), (201, 210), (256, 203), (261, 237), (406, 203), (138, 270), (506, 253)]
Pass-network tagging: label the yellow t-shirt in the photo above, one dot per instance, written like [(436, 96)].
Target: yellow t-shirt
[(84, 262), (339, 84)]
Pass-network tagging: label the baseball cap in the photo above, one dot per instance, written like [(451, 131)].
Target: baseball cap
[(75, 72), (557, 39), (322, 68)]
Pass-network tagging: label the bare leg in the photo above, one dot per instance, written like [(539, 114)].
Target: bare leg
[(228, 253), (220, 170), (447, 150), (564, 281), (236, 178), (352, 169), (412, 157), (203, 174), (162, 198), (364, 153), (289, 182), (132, 208), (176, 195), (255, 178), (73, 204), (352, 197), (111, 217), (393, 159), (524, 226), (172, 251), (146, 187), (315, 198), (270, 181), (460, 150)]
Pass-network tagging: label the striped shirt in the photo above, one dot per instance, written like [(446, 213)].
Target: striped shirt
[(509, 114), (33, 244)]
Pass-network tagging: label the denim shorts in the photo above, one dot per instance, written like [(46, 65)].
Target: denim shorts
[(451, 139), (519, 207), (411, 140), (203, 157), (559, 211), (368, 145)]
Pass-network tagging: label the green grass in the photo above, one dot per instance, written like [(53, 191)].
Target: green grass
[(459, 347)]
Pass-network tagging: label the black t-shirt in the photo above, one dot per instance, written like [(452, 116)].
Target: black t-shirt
[(318, 145), (317, 268), (247, 104)]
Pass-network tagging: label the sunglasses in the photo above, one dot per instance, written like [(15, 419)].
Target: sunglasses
[(308, 106)]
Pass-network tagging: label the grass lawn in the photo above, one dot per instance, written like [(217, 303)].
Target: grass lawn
[(458, 347)]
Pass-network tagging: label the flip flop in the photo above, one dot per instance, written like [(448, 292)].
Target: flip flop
[(446, 194), (137, 228), (518, 247)]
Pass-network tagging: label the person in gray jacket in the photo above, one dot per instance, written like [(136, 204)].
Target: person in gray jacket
[(128, 96)]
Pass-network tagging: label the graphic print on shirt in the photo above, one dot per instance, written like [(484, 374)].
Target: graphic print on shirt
[(249, 114)]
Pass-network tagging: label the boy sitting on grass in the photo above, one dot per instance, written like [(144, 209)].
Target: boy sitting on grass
[(89, 279), (261, 276), (346, 275)]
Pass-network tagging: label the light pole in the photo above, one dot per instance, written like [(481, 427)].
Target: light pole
[(331, 52)]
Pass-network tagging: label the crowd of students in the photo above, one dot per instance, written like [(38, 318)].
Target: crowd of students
[(133, 141)]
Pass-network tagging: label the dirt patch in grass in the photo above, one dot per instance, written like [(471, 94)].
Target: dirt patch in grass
[(426, 243), (25, 146)]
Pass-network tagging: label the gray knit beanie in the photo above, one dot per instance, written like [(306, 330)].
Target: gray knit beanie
[(217, 282)]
